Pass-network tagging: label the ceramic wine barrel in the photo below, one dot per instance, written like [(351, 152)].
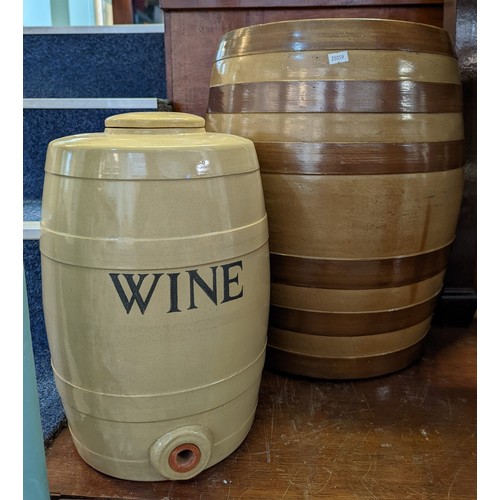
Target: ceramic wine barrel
[(155, 276), (358, 129)]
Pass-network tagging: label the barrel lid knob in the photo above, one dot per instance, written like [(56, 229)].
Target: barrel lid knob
[(154, 119)]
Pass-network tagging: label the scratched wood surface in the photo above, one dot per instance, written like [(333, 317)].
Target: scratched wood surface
[(408, 435)]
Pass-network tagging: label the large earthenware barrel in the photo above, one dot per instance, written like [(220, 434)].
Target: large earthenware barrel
[(358, 129), (155, 274)]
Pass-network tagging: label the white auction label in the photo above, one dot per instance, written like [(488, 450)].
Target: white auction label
[(338, 57)]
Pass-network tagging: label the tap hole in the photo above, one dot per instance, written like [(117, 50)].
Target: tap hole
[(184, 458)]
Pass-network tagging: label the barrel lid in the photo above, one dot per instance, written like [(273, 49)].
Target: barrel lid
[(151, 145), (154, 119)]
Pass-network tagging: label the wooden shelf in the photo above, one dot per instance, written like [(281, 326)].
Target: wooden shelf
[(410, 434)]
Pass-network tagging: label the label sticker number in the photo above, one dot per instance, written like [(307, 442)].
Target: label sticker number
[(338, 57)]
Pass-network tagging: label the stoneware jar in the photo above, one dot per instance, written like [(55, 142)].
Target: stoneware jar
[(358, 128), (155, 275)]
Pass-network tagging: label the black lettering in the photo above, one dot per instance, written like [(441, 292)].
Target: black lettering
[(211, 293), (174, 292), (135, 289), (228, 281)]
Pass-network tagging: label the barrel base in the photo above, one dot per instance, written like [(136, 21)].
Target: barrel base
[(142, 470), (124, 449), (341, 368)]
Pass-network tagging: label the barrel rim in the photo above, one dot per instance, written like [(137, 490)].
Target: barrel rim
[(337, 19), (442, 42)]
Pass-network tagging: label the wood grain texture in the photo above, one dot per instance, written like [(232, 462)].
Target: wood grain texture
[(246, 4), (411, 434)]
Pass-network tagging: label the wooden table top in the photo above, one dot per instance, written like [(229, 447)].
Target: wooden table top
[(408, 435)]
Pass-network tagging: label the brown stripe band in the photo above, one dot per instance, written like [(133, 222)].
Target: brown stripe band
[(357, 274), (349, 324), (335, 34), (340, 368), (328, 158), (336, 96)]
